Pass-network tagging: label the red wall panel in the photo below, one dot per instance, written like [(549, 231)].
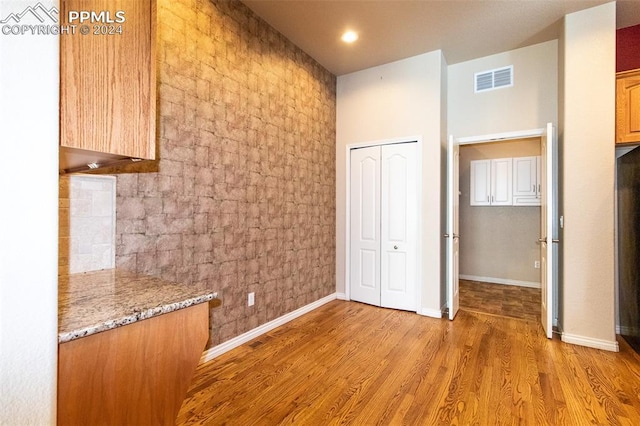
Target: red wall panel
[(628, 48)]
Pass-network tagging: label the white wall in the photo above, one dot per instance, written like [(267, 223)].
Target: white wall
[(396, 100), (530, 104), (28, 225), (588, 170)]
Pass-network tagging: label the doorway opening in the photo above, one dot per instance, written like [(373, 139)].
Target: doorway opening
[(500, 227), (492, 184)]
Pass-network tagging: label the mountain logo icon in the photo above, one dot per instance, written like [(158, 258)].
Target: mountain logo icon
[(39, 12)]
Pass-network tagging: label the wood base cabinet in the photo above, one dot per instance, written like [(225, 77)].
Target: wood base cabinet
[(137, 374), (628, 107), (107, 82)]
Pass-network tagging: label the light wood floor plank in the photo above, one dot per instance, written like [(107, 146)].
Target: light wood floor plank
[(349, 363)]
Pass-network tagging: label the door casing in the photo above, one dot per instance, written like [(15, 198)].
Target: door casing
[(500, 137)]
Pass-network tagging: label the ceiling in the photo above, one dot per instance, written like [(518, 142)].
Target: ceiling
[(390, 30)]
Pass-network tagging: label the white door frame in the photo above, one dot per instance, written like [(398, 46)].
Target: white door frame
[(548, 231), (499, 137), (347, 269), (522, 134)]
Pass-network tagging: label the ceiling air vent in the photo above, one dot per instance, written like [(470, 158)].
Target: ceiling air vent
[(494, 79)]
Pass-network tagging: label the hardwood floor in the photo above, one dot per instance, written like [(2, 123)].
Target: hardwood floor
[(499, 299), (351, 363)]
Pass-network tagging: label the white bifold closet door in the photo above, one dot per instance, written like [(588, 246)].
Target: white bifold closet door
[(383, 224)]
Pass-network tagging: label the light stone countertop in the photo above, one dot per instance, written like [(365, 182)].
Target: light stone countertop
[(92, 302)]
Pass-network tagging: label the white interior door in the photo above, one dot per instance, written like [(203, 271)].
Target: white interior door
[(547, 229), (365, 225), (399, 226), (453, 217)]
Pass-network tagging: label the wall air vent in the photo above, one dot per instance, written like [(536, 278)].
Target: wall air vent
[(493, 79)]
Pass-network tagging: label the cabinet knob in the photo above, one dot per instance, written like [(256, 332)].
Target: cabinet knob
[(395, 247)]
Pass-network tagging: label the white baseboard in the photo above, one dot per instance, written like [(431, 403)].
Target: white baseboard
[(530, 284), (218, 350), (433, 313), (590, 342), (341, 296)]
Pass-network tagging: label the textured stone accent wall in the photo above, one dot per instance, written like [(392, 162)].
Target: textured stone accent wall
[(244, 193)]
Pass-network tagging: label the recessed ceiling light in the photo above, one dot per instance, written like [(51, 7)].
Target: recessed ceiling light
[(349, 36)]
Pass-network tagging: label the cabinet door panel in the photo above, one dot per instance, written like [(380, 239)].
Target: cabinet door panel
[(628, 107), (526, 181), (634, 109), (538, 177), (524, 176), (480, 183), (107, 81), (501, 182)]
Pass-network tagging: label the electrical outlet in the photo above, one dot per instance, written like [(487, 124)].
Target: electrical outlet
[(536, 264), (252, 299)]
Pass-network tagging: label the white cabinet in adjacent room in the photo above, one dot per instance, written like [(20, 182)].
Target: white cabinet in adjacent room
[(492, 182), (526, 181)]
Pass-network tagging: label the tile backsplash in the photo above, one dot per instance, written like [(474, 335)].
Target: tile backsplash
[(87, 223)]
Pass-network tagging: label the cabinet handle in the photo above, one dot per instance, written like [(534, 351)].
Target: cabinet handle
[(538, 187), (488, 199), (534, 187)]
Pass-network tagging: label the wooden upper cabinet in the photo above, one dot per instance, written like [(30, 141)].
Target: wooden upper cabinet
[(628, 107), (107, 82)]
